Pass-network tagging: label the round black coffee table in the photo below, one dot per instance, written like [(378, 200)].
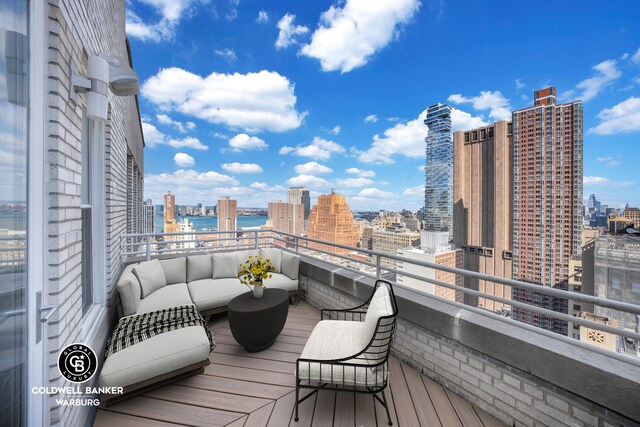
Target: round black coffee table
[(255, 323)]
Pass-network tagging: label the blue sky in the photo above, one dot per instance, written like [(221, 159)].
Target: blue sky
[(246, 98)]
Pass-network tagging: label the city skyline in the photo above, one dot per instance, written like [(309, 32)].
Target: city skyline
[(354, 120)]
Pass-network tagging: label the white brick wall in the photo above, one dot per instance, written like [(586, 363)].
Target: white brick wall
[(77, 29), (511, 395)]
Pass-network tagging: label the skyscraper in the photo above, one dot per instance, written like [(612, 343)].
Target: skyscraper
[(482, 188), (227, 217), (547, 199), (331, 220), (300, 195), (148, 217), (438, 191), (170, 224), (286, 217)]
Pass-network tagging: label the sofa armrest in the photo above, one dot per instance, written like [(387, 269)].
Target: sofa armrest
[(290, 265)]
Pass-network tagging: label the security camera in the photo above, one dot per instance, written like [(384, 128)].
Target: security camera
[(123, 81)]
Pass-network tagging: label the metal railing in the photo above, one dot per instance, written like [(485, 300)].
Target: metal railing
[(145, 246)]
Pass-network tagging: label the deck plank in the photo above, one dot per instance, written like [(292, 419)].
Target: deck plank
[(278, 345), (256, 375), (305, 411), (235, 386), (445, 410), (345, 409), (365, 410), (269, 354), (325, 407), (487, 419), (109, 419), (281, 414), (421, 401), (465, 411), (260, 418), (250, 362), (240, 422), (401, 397), (175, 413)]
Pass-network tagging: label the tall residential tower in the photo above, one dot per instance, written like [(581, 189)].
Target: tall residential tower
[(547, 199), (170, 223), (227, 217), (438, 191)]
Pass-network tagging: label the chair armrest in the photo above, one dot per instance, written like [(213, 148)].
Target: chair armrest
[(349, 314)]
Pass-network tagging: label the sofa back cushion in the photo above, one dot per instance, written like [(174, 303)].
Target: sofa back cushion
[(129, 290), (379, 306), (225, 265), (175, 270), (290, 265), (199, 267), (243, 256), (151, 276), (275, 255)]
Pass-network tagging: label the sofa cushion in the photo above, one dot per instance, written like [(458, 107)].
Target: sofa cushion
[(335, 339), (225, 265), (129, 290), (208, 294), (155, 356), (151, 277), (281, 281), (243, 256), (379, 306), (290, 265), (175, 270), (199, 267), (274, 254), (167, 297)]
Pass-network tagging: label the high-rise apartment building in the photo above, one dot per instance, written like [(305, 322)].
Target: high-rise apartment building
[(547, 200), (286, 217), (300, 195), (482, 202), (633, 215), (227, 215), (331, 220), (148, 217), (389, 240), (438, 191), (170, 224)]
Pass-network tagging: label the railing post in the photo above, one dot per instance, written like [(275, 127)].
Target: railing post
[(296, 243), (255, 239), (378, 271), (147, 241)]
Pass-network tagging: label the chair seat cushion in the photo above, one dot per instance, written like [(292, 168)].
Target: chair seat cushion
[(155, 356), (335, 339), (281, 281), (208, 294), (167, 297)]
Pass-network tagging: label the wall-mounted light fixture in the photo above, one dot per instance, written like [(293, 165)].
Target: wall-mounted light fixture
[(104, 72)]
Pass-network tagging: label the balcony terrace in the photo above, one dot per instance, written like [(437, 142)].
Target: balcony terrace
[(454, 364), (257, 389)]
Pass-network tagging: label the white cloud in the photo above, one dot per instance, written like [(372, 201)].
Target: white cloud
[(605, 73), (371, 118), (312, 168), (407, 139), (519, 84), (170, 11), (636, 57), (153, 137), (621, 118), (421, 168), (495, 102), (417, 191), (253, 101), (309, 181), (189, 178), (354, 182), (233, 10), (289, 32), (348, 36), (375, 193), (263, 17), (609, 161), (226, 53), (263, 186), (360, 172), (600, 181), (179, 126), (336, 130), (320, 149), (183, 160), (243, 141), (236, 167)]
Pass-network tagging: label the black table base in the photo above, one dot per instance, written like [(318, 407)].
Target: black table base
[(255, 323)]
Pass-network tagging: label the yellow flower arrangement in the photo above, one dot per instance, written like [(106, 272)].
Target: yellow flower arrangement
[(255, 270)]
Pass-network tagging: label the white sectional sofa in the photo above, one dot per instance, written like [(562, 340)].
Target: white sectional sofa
[(207, 281)]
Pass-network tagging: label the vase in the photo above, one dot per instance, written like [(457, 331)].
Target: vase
[(258, 289)]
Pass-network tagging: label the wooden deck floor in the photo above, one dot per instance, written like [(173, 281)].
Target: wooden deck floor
[(257, 389)]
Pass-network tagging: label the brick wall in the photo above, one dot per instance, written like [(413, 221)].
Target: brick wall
[(75, 30), (510, 394)]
